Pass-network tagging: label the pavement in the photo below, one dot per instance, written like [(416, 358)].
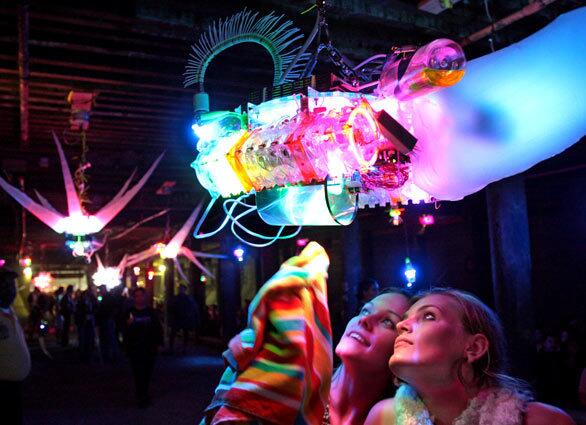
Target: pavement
[(65, 391)]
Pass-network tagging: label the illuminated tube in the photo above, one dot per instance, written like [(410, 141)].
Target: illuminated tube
[(437, 64), (327, 204), (214, 171), (363, 129), (233, 157)]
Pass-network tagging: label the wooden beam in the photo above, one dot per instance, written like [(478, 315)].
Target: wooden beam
[(23, 69)]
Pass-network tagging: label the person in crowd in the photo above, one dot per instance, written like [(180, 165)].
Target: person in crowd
[(450, 358), (66, 309), (363, 378), (213, 322), (184, 317), (85, 317), (106, 320), (367, 290), (57, 296), (143, 336), (34, 300), (15, 362)]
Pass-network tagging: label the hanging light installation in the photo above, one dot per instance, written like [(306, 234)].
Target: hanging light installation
[(175, 247), (409, 128), (78, 225)]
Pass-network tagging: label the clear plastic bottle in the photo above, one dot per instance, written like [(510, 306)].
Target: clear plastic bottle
[(436, 65)]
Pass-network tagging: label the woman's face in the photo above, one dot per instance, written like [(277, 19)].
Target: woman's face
[(370, 336), (431, 340)]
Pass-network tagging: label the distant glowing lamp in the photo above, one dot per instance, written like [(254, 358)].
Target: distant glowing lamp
[(301, 242), (2, 262), (107, 276), (203, 278), (162, 268), (426, 220), (151, 274), (410, 273), (136, 270), (170, 250), (43, 280), (79, 224), (239, 254), (395, 215), (27, 272), (25, 262)]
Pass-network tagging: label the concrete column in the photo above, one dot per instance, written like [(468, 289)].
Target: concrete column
[(510, 248), (353, 270), (169, 286)]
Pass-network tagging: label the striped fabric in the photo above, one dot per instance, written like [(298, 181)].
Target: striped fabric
[(280, 367)]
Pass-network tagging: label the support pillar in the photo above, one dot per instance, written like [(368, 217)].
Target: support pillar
[(169, 288), (229, 288), (510, 249), (269, 263), (352, 256), (23, 70)]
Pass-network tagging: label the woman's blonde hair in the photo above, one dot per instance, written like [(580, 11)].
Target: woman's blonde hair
[(491, 369)]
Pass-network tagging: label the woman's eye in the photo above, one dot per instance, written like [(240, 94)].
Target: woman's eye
[(428, 316), (388, 322), (364, 312)]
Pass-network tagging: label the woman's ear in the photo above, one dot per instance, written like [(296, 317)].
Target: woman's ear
[(476, 347)]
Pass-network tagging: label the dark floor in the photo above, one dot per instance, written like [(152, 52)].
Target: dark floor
[(64, 391)]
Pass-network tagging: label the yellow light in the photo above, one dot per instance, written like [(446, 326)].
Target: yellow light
[(27, 272), (136, 270), (162, 268), (140, 283), (150, 274)]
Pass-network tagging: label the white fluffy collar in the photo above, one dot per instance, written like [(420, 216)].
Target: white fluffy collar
[(494, 406)]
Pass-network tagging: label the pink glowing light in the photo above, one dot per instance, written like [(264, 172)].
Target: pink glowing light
[(426, 220), (301, 242), (175, 248), (25, 262), (43, 280), (77, 222)]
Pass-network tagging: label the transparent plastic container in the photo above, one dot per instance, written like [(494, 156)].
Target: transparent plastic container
[(326, 204), (434, 66)]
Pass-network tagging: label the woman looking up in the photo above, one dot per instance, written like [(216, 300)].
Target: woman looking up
[(450, 356), (363, 379)]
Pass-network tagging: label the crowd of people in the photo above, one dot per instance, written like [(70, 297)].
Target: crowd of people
[(108, 324)]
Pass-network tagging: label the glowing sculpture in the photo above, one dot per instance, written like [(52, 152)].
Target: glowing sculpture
[(77, 223), (43, 281), (302, 154), (110, 277), (174, 248)]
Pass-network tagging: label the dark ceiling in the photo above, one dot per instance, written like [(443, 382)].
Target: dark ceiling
[(132, 55)]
